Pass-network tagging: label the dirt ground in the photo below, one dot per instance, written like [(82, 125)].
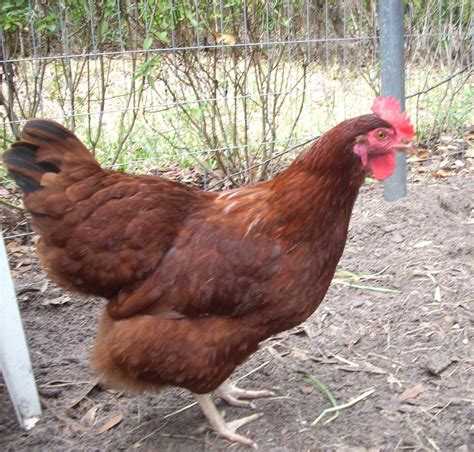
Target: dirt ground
[(398, 361)]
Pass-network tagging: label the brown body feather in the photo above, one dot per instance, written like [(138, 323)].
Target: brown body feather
[(195, 280)]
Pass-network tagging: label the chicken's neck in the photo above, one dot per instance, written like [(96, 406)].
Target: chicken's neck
[(312, 201), (308, 212)]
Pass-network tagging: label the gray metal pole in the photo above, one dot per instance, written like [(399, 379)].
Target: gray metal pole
[(393, 80)]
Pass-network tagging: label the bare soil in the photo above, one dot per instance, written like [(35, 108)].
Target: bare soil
[(403, 357)]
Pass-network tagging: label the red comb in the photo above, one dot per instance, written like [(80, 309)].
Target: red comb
[(388, 109)]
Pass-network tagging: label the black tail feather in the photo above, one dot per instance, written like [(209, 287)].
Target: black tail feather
[(21, 158), (26, 184), (45, 131), (46, 147)]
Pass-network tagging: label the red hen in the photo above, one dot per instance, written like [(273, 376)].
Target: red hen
[(196, 280)]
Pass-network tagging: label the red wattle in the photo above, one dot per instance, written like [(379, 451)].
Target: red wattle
[(383, 165)]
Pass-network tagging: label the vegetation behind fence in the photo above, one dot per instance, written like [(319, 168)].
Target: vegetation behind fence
[(226, 85)]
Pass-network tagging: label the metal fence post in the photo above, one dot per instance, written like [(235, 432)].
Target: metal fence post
[(393, 80)]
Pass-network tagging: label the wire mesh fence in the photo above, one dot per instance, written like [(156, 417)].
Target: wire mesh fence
[(226, 87)]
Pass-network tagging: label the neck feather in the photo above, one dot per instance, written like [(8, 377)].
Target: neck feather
[(312, 200)]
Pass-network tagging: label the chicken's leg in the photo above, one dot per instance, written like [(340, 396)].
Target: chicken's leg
[(221, 427), (233, 395)]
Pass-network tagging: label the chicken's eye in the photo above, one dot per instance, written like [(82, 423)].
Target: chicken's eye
[(381, 135)]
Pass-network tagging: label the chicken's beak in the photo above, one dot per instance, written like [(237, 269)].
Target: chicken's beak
[(407, 147)]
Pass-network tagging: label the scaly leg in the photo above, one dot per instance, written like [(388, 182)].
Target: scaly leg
[(221, 427), (233, 395)]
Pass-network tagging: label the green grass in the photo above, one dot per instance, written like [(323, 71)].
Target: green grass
[(445, 108), (347, 278)]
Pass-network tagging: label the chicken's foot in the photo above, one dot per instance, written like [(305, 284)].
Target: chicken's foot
[(233, 395), (220, 426)]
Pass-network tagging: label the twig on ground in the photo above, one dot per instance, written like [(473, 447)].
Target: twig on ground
[(169, 435), (138, 443), (11, 205), (62, 416), (386, 358), (86, 392), (58, 384), (359, 286), (346, 361), (433, 444)]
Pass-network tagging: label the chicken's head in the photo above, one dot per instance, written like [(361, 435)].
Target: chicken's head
[(377, 147)]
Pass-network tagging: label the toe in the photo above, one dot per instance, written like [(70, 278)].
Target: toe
[(237, 423), (256, 394), (234, 401), (235, 437), (233, 395), (230, 430)]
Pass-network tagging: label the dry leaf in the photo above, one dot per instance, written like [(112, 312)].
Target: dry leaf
[(114, 420), (423, 153), (450, 320), (70, 424), (306, 389), (422, 244), (57, 301), (371, 336), (300, 354), (411, 393), (90, 415), (445, 163), (15, 247), (44, 287), (76, 427), (439, 331), (226, 39), (23, 263), (441, 173)]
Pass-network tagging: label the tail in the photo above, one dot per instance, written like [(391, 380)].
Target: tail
[(47, 148)]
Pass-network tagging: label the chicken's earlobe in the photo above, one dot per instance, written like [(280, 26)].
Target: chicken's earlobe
[(360, 149)]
